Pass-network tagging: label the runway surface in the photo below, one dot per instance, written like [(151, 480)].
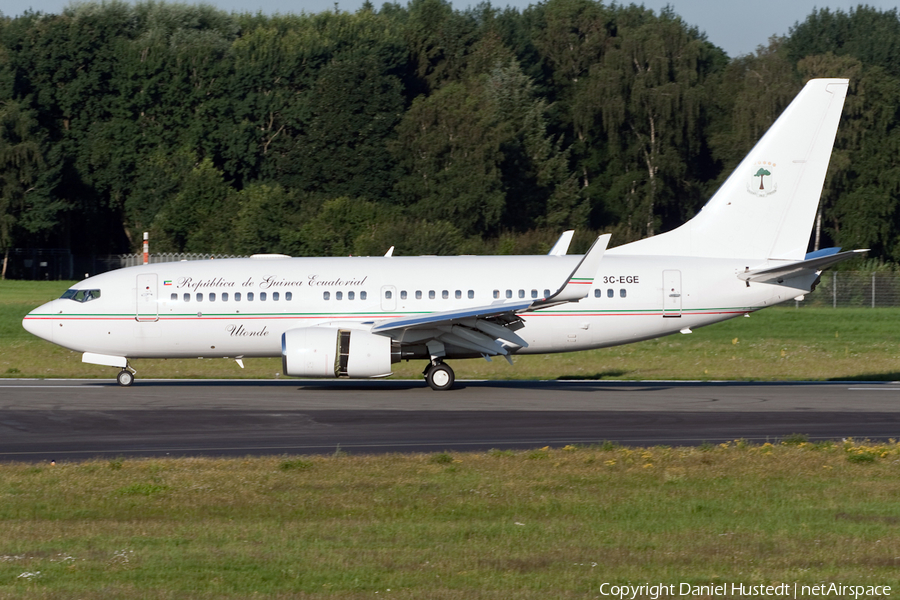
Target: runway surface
[(79, 419)]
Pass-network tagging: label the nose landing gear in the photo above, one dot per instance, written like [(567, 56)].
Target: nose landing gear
[(439, 376), (126, 376)]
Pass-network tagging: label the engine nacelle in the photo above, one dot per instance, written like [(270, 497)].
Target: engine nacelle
[(334, 352)]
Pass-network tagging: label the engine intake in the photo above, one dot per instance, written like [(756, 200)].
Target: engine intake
[(334, 352)]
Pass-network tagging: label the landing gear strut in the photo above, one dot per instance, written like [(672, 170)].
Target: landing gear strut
[(439, 376), (126, 376)]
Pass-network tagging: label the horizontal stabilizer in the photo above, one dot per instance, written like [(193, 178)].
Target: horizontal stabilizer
[(821, 253), (781, 272)]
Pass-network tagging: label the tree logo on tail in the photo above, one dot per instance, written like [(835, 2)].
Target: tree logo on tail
[(762, 179)]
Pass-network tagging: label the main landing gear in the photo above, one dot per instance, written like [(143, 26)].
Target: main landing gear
[(439, 376), (126, 376)]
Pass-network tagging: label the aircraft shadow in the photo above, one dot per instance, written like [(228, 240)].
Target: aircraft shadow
[(891, 376)]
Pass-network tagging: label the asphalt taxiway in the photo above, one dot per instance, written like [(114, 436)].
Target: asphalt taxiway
[(78, 419)]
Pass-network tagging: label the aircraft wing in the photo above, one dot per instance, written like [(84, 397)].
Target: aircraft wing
[(478, 329), (450, 317), (817, 262)]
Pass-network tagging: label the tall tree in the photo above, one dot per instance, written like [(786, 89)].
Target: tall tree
[(649, 91), (867, 33), (20, 161)]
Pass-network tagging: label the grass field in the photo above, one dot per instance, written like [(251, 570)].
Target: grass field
[(773, 344), (500, 525)]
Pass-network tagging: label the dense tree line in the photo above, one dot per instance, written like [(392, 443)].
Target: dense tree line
[(431, 129)]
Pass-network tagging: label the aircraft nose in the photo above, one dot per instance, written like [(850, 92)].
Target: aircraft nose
[(39, 325)]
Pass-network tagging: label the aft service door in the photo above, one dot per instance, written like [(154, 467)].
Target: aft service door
[(671, 293), (147, 305)]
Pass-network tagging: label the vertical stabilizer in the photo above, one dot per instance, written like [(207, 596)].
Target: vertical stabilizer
[(767, 206)]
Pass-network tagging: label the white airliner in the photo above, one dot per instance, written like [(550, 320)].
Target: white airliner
[(355, 317)]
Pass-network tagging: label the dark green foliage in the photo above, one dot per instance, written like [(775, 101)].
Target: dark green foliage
[(864, 32), (441, 458), (431, 129)]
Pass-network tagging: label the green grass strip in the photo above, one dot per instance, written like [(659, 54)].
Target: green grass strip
[(544, 523)]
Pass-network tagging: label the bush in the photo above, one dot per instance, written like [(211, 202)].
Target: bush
[(442, 458)]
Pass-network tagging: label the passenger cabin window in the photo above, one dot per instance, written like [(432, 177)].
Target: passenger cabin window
[(403, 295), (362, 295), (534, 293), (496, 294), (351, 295), (262, 296), (622, 293), (340, 295), (237, 296), (458, 294), (597, 293), (249, 296), (224, 296), (610, 293), (509, 293), (387, 295), (445, 294), (174, 297), (212, 296), (199, 297), (418, 294), (471, 294), (289, 295), (275, 296), (431, 294), (521, 293), (546, 293), (187, 297), (326, 296)]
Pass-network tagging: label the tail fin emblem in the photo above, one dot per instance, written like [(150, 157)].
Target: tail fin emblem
[(762, 181)]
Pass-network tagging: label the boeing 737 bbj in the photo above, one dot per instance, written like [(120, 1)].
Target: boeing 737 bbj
[(355, 317)]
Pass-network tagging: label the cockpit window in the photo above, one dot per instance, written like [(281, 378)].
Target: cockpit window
[(80, 295)]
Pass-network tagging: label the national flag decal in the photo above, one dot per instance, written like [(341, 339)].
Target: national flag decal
[(167, 282)]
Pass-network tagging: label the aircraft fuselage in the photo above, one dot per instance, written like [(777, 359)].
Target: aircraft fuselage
[(241, 307)]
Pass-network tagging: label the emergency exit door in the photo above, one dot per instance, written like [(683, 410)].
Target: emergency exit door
[(671, 293)]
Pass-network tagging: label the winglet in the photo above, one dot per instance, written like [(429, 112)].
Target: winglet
[(562, 244), (582, 278)]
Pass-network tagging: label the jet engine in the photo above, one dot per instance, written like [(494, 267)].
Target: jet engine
[(336, 352)]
